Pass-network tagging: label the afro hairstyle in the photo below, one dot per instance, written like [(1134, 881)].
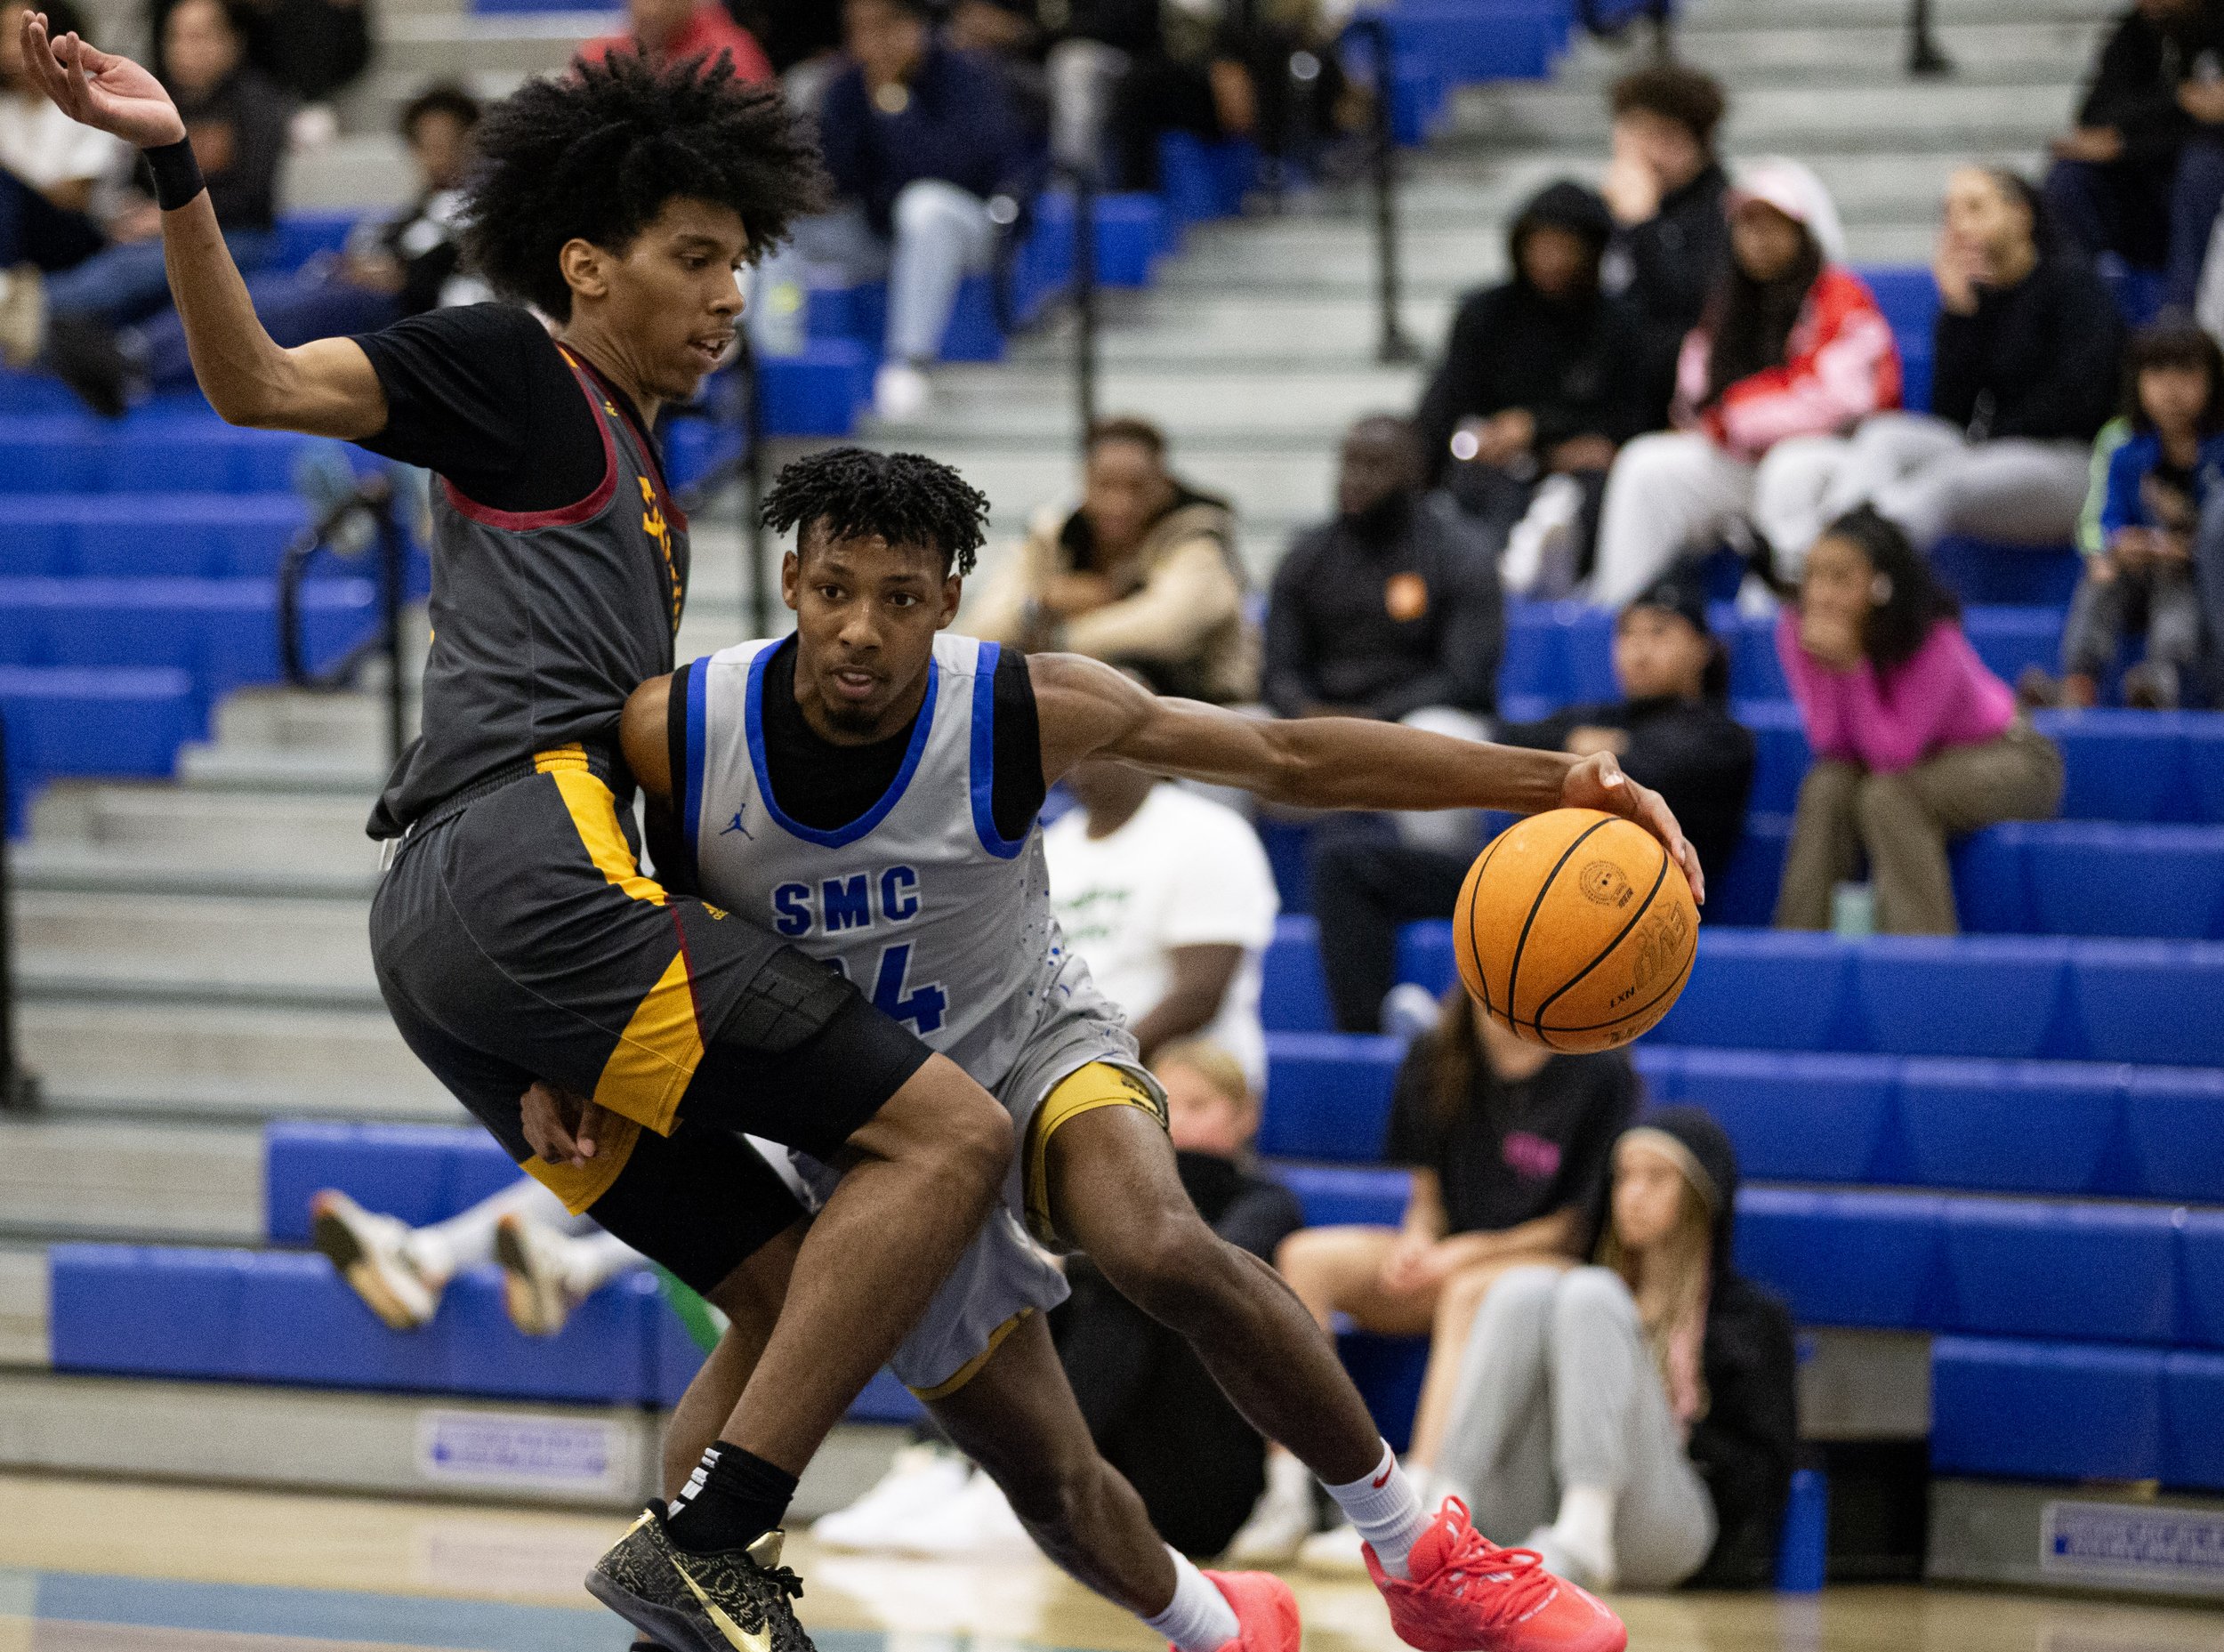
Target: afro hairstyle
[(906, 498), (596, 154)]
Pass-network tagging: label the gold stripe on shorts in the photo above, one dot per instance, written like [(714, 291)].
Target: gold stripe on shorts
[(579, 1185), (972, 1368), (1084, 1090)]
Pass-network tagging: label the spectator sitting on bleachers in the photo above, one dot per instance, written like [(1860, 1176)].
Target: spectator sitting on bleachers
[(928, 158), (49, 167), (1510, 1146), (2141, 173), (1672, 731), (2142, 574), (2027, 357), (1391, 609), (1792, 344), (237, 120), (550, 1261), (1167, 897), (1664, 187), (1096, 46), (1154, 1412), (308, 49), (1636, 1422), (1143, 573), (1540, 384), (403, 266), (1916, 742), (670, 31), (1005, 35)]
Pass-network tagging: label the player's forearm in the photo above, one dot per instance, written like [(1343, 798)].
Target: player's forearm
[(1348, 762), (243, 373)]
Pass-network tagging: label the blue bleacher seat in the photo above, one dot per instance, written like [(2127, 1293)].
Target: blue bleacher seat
[(1336, 1195), (2126, 765), (1797, 1117), (1328, 1095), (1763, 990), (68, 721), (2102, 878), (2102, 1272), (2174, 1129), (2193, 1420), (1919, 994), (2008, 1126), (2149, 1001), (2051, 1411), (305, 235), (135, 535), (1743, 893), (418, 1173), (1845, 1259), (1201, 181), (157, 451), (1780, 753), (819, 390), (1293, 996), (1424, 954), (2032, 576), (2200, 1265), (145, 1311)]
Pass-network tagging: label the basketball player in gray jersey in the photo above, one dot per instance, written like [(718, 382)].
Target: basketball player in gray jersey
[(868, 789)]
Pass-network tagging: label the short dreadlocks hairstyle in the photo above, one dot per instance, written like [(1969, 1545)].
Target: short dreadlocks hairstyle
[(906, 498), (597, 153)]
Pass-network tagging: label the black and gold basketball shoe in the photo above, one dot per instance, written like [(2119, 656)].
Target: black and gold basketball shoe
[(736, 1601)]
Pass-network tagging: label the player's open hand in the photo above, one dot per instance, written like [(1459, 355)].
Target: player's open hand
[(98, 88), (1598, 782), (562, 1128)]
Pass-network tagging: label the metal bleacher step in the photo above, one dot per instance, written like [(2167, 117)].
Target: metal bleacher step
[(130, 1181), (212, 829), (2092, 1537)]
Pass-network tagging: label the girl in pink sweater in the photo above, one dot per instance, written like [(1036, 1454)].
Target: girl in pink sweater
[(1916, 742)]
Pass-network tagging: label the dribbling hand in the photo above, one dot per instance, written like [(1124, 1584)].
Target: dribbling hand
[(1598, 782), (98, 88), (562, 1128)]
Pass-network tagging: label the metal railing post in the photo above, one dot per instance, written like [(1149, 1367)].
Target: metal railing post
[(752, 458), (1391, 343), (17, 1088), (1926, 59), (1084, 184)]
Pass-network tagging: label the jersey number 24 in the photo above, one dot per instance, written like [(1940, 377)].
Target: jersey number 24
[(894, 996)]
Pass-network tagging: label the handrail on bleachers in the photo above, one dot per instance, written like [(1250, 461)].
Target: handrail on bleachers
[(1083, 179), (372, 495), (1392, 345), (17, 1088)]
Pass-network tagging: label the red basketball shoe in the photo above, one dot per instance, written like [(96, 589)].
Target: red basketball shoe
[(1466, 1594), (1266, 1611)]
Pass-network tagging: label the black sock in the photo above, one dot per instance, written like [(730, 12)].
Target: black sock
[(733, 1499)]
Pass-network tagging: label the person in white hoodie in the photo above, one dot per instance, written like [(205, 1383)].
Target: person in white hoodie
[(1792, 343)]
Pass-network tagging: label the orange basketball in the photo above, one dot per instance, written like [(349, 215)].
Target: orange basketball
[(1576, 930)]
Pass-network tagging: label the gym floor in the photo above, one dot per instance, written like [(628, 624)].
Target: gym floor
[(93, 1565)]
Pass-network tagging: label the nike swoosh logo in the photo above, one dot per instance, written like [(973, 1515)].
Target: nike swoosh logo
[(736, 1635), (1382, 1480)]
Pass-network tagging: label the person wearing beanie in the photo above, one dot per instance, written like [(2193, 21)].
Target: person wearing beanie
[(2026, 353), (1672, 729), (1540, 384), (1636, 1421), (1792, 343)]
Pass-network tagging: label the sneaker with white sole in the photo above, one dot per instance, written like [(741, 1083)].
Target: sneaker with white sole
[(1279, 1522), (1337, 1553), (920, 1478), (372, 1253), (534, 1289), (977, 1524)]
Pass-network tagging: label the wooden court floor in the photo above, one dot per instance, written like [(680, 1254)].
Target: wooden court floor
[(100, 1566)]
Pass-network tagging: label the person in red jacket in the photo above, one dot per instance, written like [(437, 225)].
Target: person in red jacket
[(1792, 343), (670, 31)]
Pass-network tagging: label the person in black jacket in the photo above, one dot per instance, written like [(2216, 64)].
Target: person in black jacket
[(1539, 380), (2026, 362), (1636, 1421), (1154, 1413), (1671, 730), (2141, 173), (1390, 607), (1664, 187)]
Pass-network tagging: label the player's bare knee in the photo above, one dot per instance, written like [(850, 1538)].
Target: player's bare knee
[(943, 1121), (1175, 1270)]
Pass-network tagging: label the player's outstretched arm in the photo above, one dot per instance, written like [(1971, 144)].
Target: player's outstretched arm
[(1088, 709), (327, 388)]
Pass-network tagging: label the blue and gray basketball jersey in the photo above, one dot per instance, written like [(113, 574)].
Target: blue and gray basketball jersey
[(935, 915)]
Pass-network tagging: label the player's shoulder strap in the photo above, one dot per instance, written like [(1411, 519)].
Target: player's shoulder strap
[(707, 691)]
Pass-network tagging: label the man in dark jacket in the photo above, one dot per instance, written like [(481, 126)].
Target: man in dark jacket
[(1541, 379), (1390, 607), (1672, 732), (927, 159), (2141, 173), (1664, 187)]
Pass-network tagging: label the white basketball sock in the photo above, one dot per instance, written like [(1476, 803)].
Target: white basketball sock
[(1386, 1510), (1198, 1619)]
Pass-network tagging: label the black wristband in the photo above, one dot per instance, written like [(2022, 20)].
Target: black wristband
[(177, 174)]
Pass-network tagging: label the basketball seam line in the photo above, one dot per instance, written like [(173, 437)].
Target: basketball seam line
[(1513, 970), (1648, 1003), (1651, 894), (1474, 946)]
